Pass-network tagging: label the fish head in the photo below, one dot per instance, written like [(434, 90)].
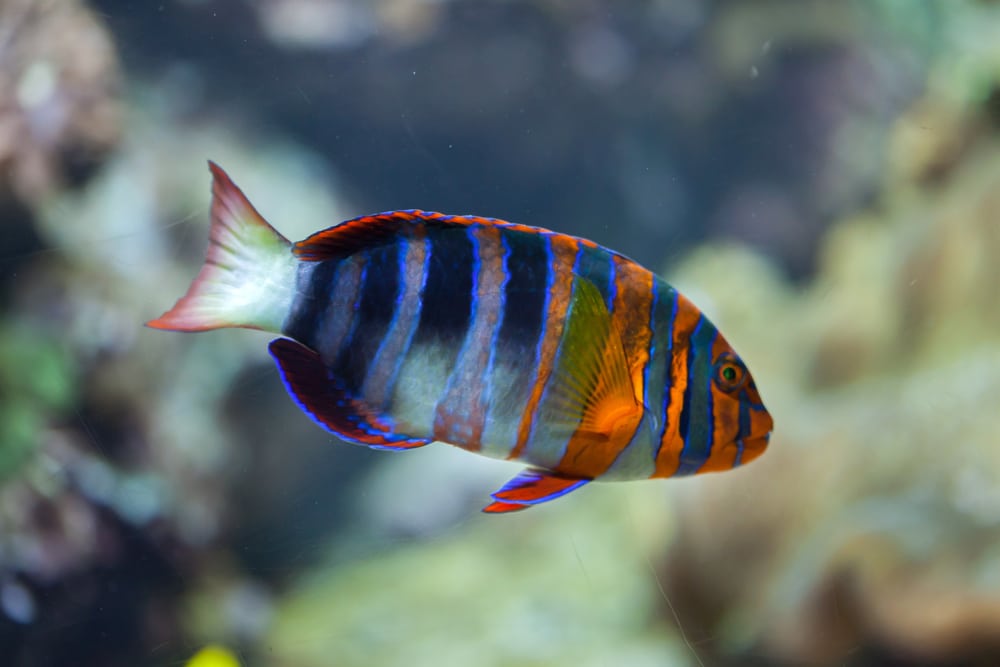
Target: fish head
[(719, 420), (740, 426)]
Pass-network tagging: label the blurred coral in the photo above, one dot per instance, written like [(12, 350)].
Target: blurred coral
[(109, 457), (868, 532), (59, 83), (572, 586), (648, 127), (160, 494)]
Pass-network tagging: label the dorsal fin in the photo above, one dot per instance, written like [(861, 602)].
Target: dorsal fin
[(373, 230)]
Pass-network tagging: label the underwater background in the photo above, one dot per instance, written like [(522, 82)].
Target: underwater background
[(821, 177)]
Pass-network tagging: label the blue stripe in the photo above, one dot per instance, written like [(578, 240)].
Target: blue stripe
[(557, 454), (550, 279), (314, 285), (356, 307), (744, 430), (375, 309), (685, 422), (652, 343), (694, 429), (576, 268), (673, 320), (639, 437), (709, 405), (394, 373), (404, 247), (612, 285), (400, 291), (501, 309), (667, 368)]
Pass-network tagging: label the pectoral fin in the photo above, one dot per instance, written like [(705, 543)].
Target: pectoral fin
[(531, 487), (591, 388)]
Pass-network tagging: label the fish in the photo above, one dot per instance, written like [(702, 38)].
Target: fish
[(514, 342)]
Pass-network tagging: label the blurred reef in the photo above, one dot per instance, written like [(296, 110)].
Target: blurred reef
[(823, 178)]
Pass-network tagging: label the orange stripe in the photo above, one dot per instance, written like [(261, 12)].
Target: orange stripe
[(564, 249), (461, 416), (339, 314), (671, 443), (726, 416), (630, 318), (761, 421), (491, 280)]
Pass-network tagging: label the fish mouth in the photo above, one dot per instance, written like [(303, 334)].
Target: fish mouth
[(753, 447)]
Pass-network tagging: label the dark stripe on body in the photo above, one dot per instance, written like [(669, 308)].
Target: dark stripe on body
[(381, 378), (448, 290), (697, 422), (545, 450), (444, 316), (339, 318), (665, 384), (374, 310), (315, 284), (654, 343), (422, 371), (529, 325), (517, 340), (744, 429), (597, 265), (528, 277)]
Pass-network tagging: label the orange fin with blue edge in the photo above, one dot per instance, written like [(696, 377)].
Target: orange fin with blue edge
[(497, 507), (531, 487), (320, 395)]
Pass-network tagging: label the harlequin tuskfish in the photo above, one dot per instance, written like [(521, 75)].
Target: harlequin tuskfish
[(408, 327)]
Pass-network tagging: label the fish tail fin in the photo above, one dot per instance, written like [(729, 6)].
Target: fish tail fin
[(248, 278)]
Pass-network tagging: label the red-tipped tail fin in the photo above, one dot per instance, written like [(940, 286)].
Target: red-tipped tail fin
[(248, 278)]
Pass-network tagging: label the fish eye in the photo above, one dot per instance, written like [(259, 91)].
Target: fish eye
[(730, 374)]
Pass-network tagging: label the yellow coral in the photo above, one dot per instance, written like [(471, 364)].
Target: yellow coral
[(213, 655)]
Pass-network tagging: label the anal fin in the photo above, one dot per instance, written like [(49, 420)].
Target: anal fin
[(497, 507), (531, 487), (320, 395)]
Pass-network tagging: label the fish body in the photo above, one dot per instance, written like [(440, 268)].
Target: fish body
[(510, 341)]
